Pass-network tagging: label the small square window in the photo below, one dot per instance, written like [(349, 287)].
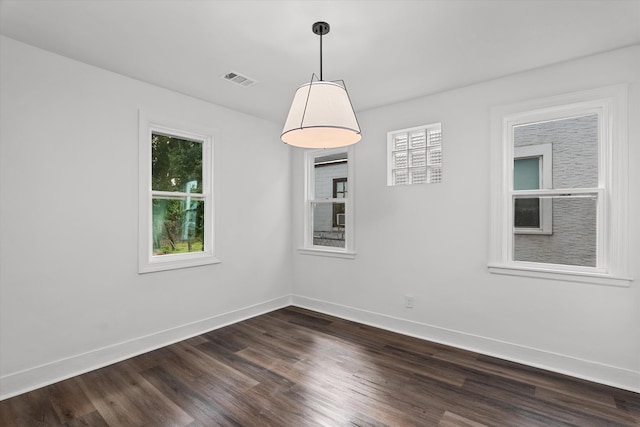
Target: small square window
[(414, 155)]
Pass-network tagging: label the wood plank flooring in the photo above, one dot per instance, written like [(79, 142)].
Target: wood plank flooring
[(295, 367)]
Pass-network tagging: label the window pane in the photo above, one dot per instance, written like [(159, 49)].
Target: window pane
[(178, 225), (419, 139), (338, 216), (435, 156), (400, 177), (339, 188), (418, 158), (435, 174), (418, 176), (400, 160), (526, 174), (575, 148), (328, 224), (176, 164), (435, 137), (573, 238), (526, 213), (400, 142), (326, 169)]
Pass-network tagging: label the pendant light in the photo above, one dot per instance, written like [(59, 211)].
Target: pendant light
[(321, 114)]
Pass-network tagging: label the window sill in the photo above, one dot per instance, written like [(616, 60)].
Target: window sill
[(563, 275), (537, 231), (173, 262), (327, 253)]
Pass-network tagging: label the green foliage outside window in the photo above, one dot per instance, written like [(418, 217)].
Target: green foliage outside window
[(178, 222)]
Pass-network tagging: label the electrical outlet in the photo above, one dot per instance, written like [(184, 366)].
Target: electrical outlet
[(408, 301)]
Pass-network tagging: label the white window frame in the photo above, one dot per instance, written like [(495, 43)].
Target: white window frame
[(147, 262), (545, 153), (610, 103), (308, 247), (429, 163)]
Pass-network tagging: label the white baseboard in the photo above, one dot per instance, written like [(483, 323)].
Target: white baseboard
[(568, 365), (30, 379)]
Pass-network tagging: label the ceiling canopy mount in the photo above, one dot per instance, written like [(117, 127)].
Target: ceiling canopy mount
[(320, 28)]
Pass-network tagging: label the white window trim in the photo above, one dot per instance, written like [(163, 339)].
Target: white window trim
[(545, 153), (611, 104), (308, 248), (146, 261)]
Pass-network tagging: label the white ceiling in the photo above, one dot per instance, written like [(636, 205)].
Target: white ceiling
[(386, 51)]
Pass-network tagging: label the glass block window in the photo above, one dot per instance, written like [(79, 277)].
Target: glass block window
[(414, 155)]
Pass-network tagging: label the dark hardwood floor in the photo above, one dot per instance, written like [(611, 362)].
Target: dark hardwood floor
[(294, 367)]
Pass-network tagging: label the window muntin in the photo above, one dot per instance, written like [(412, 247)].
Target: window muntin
[(176, 197), (414, 155), (328, 207), (587, 193)]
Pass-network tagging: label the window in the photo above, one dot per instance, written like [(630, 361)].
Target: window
[(560, 188), (532, 170), (339, 192), (414, 156), (176, 202), (328, 204)]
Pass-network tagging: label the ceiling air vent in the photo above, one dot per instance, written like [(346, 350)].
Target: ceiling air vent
[(239, 79)]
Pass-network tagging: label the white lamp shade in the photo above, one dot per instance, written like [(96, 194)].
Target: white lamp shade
[(321, 116)]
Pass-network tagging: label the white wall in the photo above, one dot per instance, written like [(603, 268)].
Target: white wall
[(431, 241), (71, 298)]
